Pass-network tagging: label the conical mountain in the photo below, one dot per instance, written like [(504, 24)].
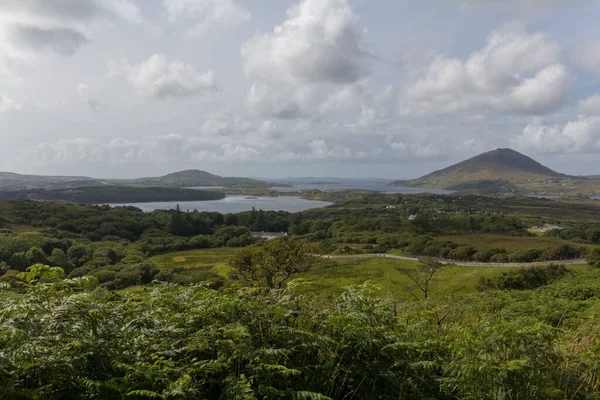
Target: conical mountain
[(494, 170)]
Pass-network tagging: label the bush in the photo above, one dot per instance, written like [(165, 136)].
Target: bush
[(462, 253), (525, 278), (499, 258), (593, 258)]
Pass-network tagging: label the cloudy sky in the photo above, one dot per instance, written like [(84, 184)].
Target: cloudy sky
[(277, 88)]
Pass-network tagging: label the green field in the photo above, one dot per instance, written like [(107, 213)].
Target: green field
[(328, 281), (510, 243), (216, 259)]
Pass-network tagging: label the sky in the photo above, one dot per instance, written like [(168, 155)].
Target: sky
[(279, 88)]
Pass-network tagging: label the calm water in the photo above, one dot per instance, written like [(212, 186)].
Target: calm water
[(373, 185), (234, 204)]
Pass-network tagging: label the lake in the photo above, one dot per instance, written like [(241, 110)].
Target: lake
[(329, 184), (234, 204)]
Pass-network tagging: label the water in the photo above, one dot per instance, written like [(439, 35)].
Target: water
[(329, 184), (234, 204)]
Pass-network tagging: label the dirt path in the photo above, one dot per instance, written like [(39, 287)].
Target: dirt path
[(459, 263)]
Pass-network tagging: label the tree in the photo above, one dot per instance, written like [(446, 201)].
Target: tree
[(178, 224), (273, 264), (59, 259), (41, 273), (422, 278), (79, 255), (18, 262), (593, 258)]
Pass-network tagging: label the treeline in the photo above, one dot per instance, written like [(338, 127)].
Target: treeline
[(427, 246)]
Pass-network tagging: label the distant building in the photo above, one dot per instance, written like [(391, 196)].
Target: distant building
[(268, 235)]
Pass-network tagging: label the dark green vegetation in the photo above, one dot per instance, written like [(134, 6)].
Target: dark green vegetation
[(505, 170), (190, 178), (112, 194), (113, 303)]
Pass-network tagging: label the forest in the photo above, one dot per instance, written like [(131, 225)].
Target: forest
[(106, 302)]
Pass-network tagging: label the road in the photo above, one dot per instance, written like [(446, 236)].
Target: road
[(459, 263)]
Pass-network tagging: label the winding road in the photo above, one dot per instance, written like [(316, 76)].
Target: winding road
[(458, 263)]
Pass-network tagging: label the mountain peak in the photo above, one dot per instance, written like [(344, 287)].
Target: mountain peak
[(497, 169)]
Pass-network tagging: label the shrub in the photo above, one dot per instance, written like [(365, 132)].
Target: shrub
[(525, 278)]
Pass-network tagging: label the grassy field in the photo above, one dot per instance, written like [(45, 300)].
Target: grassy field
[(328, 281), (509, 243), (216, 259)]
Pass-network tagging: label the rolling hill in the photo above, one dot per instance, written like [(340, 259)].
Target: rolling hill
[(10, 181), (13, 181), (504, 170), (196, 178)]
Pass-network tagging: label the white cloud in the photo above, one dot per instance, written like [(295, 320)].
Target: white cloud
[(161, 78), (497, 78), (320, 42), (204, 15), (578, 136), (266, 101), (7, 104)]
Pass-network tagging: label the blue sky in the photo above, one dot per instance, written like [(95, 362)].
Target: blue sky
[(350, 88)]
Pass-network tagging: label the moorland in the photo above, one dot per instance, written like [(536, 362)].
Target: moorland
[(111, 302)]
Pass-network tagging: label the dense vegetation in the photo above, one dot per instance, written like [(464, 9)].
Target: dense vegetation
[(113, 244), (113, 194), (95, 305), (72, 340)]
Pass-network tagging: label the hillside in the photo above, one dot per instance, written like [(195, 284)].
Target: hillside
[(10, 181), (195, 178), (13, 181), (503, 170)]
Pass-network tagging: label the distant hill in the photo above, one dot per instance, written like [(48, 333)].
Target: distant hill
[(13, 181), (190, 178), (498, 170), (197, 178)]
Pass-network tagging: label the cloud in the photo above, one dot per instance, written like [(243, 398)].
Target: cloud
[(590, 105), (516, 72), (203, 15), (72, 10), (61, 26), (579, 136), (60, 40), (320, 42), (265, 101), (161, 78), (7, 105), (95, 104)]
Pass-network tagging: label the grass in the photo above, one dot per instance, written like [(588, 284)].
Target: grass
[(510, 243), (536, 231), (216, 259), (329, 281), (24, 228)]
